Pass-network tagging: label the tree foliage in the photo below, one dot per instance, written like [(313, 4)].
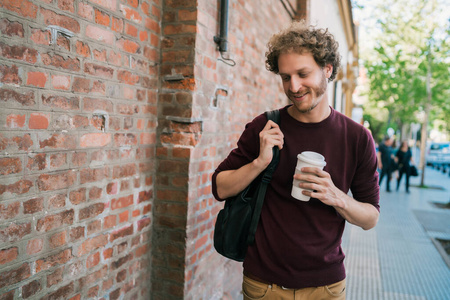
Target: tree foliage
[(406, 38)]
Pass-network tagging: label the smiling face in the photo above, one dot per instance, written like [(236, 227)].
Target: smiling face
[(304, 82)]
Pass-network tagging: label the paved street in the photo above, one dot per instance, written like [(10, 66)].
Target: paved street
[(397, 259)]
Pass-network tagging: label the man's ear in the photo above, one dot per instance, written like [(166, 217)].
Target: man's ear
[(328, 70)]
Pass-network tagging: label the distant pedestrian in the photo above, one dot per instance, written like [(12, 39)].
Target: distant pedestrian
[(404, 160), (386, 162)]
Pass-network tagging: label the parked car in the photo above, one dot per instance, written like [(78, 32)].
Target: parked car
[(438, 156)]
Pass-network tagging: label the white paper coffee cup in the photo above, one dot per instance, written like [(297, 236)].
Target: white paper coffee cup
[(306, 159)]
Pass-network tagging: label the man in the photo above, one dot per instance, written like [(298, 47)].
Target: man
[(386, 161), (297, 251)]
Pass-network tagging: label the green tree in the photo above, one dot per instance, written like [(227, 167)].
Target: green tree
[(406, 54)]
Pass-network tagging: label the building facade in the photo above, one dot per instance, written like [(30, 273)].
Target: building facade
[(113, 116)]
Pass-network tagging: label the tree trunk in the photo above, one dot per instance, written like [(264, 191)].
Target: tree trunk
[(423, 142)]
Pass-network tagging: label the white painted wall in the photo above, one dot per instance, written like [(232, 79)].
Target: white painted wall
[(325, 14)]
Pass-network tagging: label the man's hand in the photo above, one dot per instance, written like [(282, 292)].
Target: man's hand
[(231, 182), (323, 187), (364, 215), (269, 137)]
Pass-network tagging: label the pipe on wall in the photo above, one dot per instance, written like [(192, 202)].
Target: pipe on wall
[(221, 40)]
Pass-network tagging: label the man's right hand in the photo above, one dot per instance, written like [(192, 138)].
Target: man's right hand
[(269, 137), (231, 182)]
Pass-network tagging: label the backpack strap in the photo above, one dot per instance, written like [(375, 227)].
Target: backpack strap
[(273, 115)]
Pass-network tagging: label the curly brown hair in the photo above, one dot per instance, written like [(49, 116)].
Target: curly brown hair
[(299, 38)]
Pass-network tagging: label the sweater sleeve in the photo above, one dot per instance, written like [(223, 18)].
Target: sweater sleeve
[(247, 150), (365, 186)]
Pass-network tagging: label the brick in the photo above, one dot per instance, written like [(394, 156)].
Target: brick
[(100, 34), (127, 109), (94, 227), (9, 211), (72, 64), (93, 175), (52, 18), (130, 14), (67, 5), (109, 4), (145, 196), (59, 141), (25, 99), (22, 53), (121, 202), (93, 260), (35, 246), (38, 121), (91, 211), (61, 293), (14, 276), (121, 261), (102, 18), (127, 77), (31, 288), (92, 104), (20, 187), (37, 79), (95, 193), (92, 244), (117, 24), (61, 82), (131, 30), (55, 277), (57, 201), (58, 239), (143, 223), (53, 182), (143, 36), (85, 10), (76, 233), (120, 233), (122, 139), (111, 188), (128, 46), (54, 221), (37, 162), (40, 37), (121, 276), (10, 165), (15, 121), (58, 160), (78, 196), (8, 255), (22, 7), (124, 171), (34, 205), (10, 75), (64, 103), (97, 70), (53, 260), (147, 138), (11, 28), (79, 158), (94, 140)]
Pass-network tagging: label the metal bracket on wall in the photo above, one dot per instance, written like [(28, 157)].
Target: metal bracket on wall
[(54, 30)]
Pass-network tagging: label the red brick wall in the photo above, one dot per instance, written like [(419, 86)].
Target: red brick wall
[(225, 99), (77, 144), (108, 141)]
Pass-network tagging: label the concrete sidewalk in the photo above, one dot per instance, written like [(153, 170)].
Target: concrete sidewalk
[(398, 259)]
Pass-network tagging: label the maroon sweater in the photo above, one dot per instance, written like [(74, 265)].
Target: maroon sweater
[(298, 244)]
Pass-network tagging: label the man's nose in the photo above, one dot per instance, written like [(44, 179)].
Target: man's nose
[(295, 84)]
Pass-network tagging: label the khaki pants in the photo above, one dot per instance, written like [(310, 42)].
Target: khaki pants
[(255, 290)]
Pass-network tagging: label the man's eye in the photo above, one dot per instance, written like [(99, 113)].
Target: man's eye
[(285, 78), (303, 75)]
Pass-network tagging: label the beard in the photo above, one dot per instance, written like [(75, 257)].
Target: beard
[(316, 93)]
